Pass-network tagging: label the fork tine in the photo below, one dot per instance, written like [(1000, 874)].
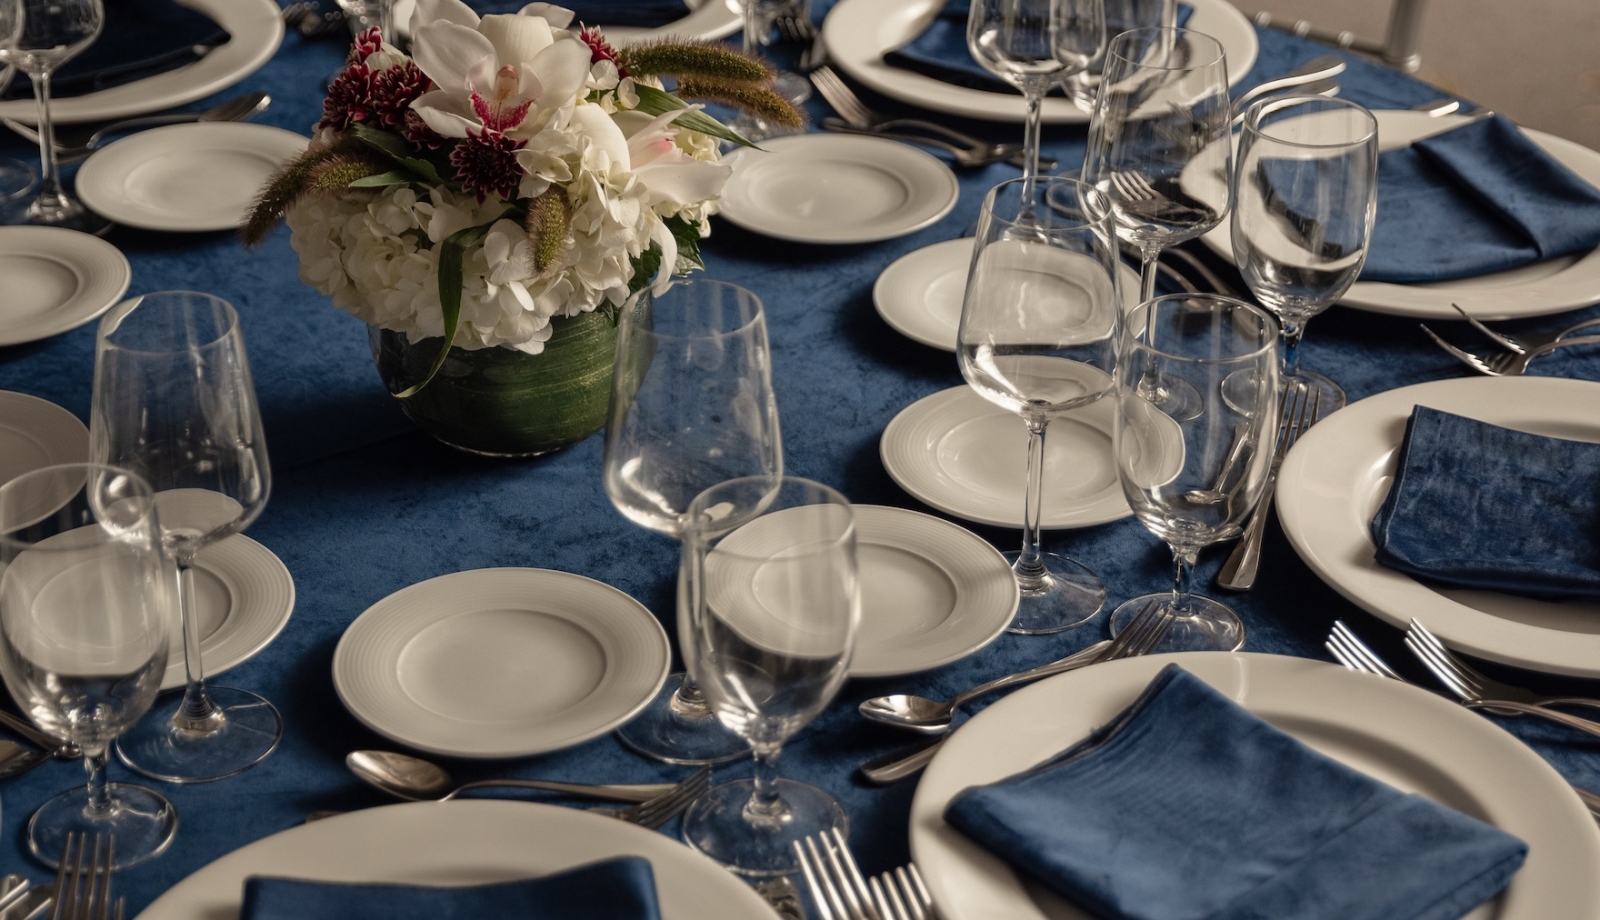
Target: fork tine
[(105, 886), (838, 95), (1440, 668), (58, 908), (1158, 631), (1469, 676), (1467, 358), (924, 896), (915, 906), (893, 906), (669, 804), (1130, 633), (1363, 653), (824, 897), (1506, 342), (844, 864)]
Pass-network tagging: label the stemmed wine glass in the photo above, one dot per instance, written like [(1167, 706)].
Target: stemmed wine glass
[(758, 19), (173, 401), (38, 36), (85, 598), (1162, 112), (769, 565), (1193, 479), (1305, 195), (1032, 44), (1038, 336), (691, 406), (1121, 16)]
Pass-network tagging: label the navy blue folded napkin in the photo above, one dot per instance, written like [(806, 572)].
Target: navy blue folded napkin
[(1481, 198), (1187, 807), (141, 38), (617, 889), (643, 14), (940, 51), (1480, 506)]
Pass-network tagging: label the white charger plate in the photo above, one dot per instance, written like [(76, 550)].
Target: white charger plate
[(707, 20), (56, 280), (500, 662), (1339, 472), (461, 843), (1398, 734), (190, 177), (36, 433), (243, 596), (1570, 282), (256, 27), (966, 456), (859, 32), (836, 188)]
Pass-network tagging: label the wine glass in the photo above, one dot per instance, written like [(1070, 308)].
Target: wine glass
[(85, 598), (364, 14), (1193, 479), (759, 16), (1121, 16), (1038, 336), (1162, 112), (691, 406), (1032, 44), (38, 36), (769, 565), (1305, 195), (173, 402)]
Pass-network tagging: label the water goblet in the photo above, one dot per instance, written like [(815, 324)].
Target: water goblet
[(173, 401), (759, 16), (1121, 16), (769, 565), (1193, 479), (1038, 336), (37, 37), (1032, 44), (1305, 196), (691, 406), (86, 595)]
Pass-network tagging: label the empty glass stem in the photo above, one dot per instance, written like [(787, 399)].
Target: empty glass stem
[(197, 715), (51, 200), (1182, 579), (1293, 331), (1029, 567)]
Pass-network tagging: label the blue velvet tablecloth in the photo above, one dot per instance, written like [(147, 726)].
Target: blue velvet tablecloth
[(363, 505)]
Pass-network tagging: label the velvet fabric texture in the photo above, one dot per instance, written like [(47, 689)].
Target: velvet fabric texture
[(1188, 807), (644, 14), (1479, 506), (617, 889), (141, 38), (1478, 199)]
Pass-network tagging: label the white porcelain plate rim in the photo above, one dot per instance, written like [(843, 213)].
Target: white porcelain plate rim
[(632, 645), (1382, 724), (1337, 474), (462, 842), (858, 33), (103, 277), (931, 188), (261, 592), (256, 30), (707, 21), (61, 435)]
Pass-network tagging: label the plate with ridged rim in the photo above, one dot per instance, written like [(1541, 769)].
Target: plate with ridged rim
[(243, 595), (1407, 737), (36, 433), (56, 280), (500, 662)]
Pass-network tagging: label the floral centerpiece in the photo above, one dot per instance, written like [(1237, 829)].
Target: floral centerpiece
[(489, 202)]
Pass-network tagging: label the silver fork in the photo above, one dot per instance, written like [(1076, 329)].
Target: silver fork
[(965, 157), (904, 892), (1528, 341), (664, 807), (1136, 196), (1480, 691), (84, 892), (840, 893), (1506, 363), (1298, 414)]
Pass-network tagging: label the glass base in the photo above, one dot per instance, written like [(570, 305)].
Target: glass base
[(1207, 626), (142, 820), (1175, 397), (718, 825), (663, 731), (1068, 595), (758, 129), (66, 213), (792, 86), (157, 748), (18, 182), (1330, 395)]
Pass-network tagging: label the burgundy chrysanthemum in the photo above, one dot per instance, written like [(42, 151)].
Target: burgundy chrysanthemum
[(393, 89), (349, 98), (366, 44), (415, 130), (486, 164), (601, 50)]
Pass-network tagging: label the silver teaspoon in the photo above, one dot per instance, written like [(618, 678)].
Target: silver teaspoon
[(418, 780)]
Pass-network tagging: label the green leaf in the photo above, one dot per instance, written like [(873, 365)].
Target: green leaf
[(452, 253), (653, 101), (688, 236), (395, 148), (645, 266), (392, 177)]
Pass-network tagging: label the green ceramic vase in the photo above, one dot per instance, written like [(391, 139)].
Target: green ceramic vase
[(498, 402)]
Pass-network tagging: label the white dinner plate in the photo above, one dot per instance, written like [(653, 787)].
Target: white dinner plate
[(56, 280), (859, 32), (500, 662), (707, 20), (243, 596), (1570, 282), (1339, 472), (1401, 735), (461, 843), (256, 27), (966, 456), (191, 177), (836, 188), (36, 433)]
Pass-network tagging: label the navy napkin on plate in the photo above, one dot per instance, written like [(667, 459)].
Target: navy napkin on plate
[(1478, 199), (617, 889), (141, 38), (1187, 807), (1480, 506), (643, 14)]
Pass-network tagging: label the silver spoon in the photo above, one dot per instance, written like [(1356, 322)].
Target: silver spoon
[(418, 780), (931, 717)]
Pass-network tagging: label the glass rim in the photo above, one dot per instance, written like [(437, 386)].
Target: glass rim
[(693, 533), (758, 319), (7, 539), (1113, 47), (1135, 320), (1101, 202), (112, 321), (1273, 104)]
